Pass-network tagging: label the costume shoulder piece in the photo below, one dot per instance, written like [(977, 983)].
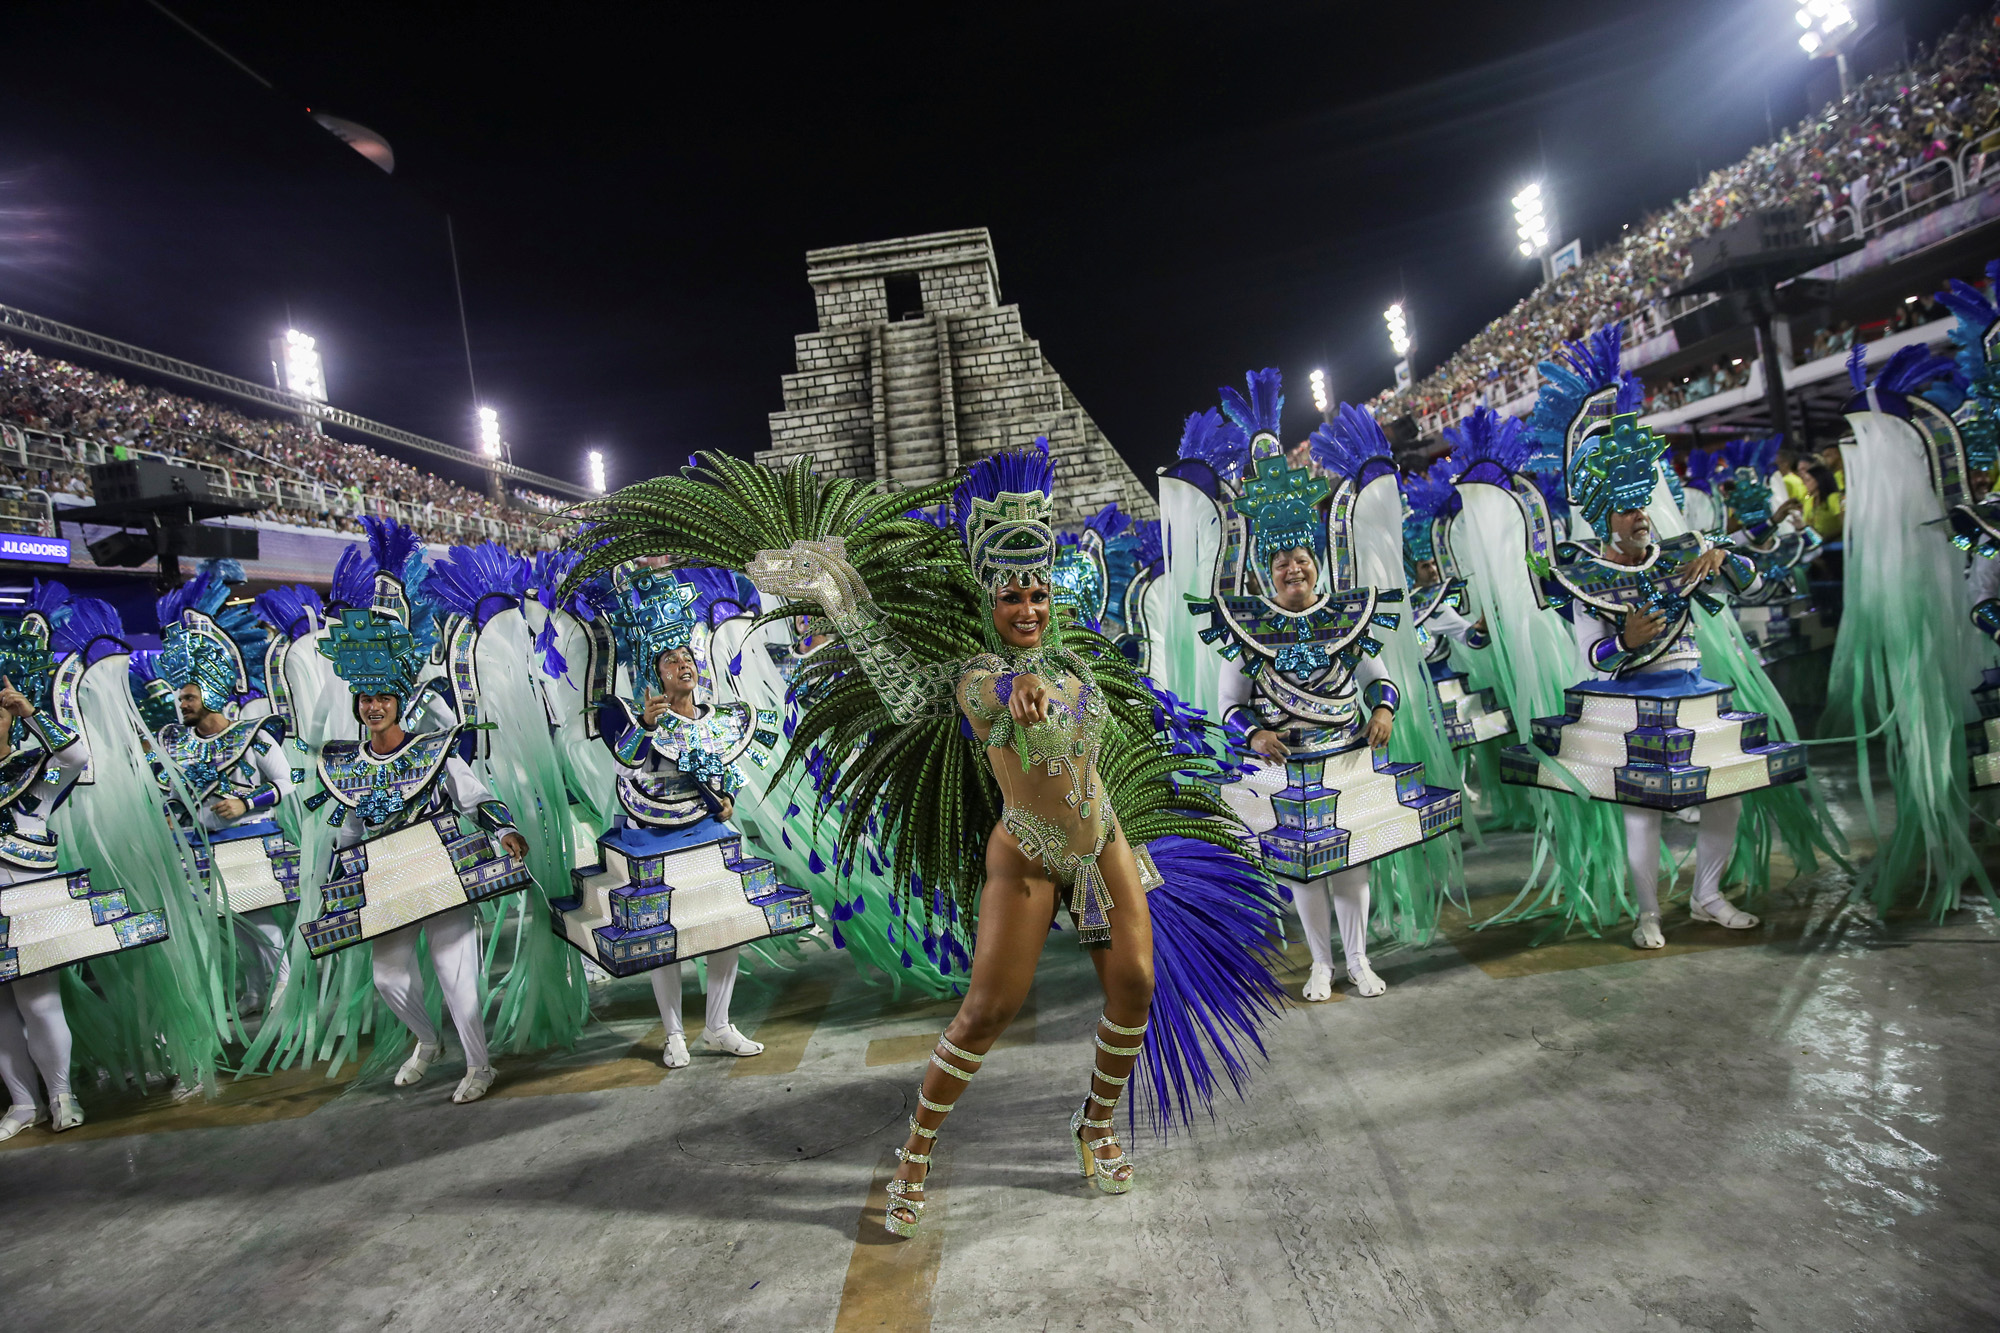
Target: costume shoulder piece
[(204, 759), (384, 788)]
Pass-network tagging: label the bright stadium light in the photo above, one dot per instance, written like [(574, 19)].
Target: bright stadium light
[(1531, 222), (300, 370), (1830, 25), (1399, 329), (489, 432), (595, 462), (1320, 400)]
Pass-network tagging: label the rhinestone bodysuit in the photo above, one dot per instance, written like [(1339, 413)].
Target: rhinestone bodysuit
[(1054, 799)]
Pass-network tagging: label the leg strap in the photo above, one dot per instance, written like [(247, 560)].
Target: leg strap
[(1139, 1031), (942, 1108), (1109, 1049)]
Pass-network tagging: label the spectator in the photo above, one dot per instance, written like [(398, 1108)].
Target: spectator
[(1825, 510)]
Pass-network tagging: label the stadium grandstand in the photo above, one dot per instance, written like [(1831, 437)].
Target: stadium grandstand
[(57, 418), (1904, 170)]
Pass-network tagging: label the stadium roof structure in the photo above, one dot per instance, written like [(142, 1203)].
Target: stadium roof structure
[(96, 344)]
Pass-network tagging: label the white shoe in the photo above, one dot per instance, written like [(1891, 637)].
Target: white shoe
[(1366, 984), (1319, 984), (676, 1054), (1646, 935), (418, 1064), (65, 1113), (474, 1085), (19, 1118), (1722, 912), (731, 1042)]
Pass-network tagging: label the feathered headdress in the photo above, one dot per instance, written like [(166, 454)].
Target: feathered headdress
[(1081, 577), (1581, 391), (1209, 437), (1425, 498), (1704, 469), (1745, 469), (1976, 334), (477, 582), (1911, 373), (152, 694), (1260, 414), (1352, 445), (294, 610), (1003, 508), (383, 574), (86, 625), (652, 613), (1486, 447), (26, 660), (208, 643)]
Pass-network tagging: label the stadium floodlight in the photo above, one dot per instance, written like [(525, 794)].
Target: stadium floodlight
[(1829, 26), (1320, 400), (595, 464), (300, 370), (1531, 222), (489, 432), (1399, 329)]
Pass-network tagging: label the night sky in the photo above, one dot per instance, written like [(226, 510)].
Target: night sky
[(1176, 193)]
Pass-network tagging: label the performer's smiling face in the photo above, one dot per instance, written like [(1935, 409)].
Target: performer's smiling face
[(380, 712), (678, 674), (188, 699), (1294, 575), (1021, 614)]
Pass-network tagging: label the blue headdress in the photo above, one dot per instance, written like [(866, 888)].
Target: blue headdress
[(385, 573), (1211, 438), (1922, 390), (1745, 471), (1003, 507), (1352, 445), (1425, 499), (652, 613), (85, 625), (207, 643), (374, 652), (26, 659), (1615, 469), (1582, 390), (1977, 333), (1281, 502), (477, 582), (1487, 447), (1704, 469), (294, 610)]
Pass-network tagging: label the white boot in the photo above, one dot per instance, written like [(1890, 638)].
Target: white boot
[(731, 1042), (474, 1085), (417, 1065), (1319, 984), (19, 1118), (65, 1113), (676, 1054), (1646, 935)]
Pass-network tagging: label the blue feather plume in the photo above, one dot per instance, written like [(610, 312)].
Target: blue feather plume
[(1911, 370), (1976, 314), (294, 608), (390, 543), (1264, 409), (1213, 920), (353, 584), (1428, 496), (938, 516), (1016, 471), (89, 626), (1148, 543), (1577, 370), (1108, 522), (477, 582), (1208, 437), (1353, 446), (1487, 447)]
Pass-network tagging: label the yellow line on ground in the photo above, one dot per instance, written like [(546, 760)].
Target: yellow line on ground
[(890, 1280), (786, 1029)]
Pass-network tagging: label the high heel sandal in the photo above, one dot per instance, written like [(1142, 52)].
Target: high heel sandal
[(1103, 1171), (898, 1189)]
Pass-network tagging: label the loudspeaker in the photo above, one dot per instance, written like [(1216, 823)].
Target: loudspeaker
[(134, 479), (122, 550), (204, 542)]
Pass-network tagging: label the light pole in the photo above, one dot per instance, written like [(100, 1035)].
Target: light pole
[(1399, 342), (1830, 28), (594, 471), (1321, 400), (492, 446), (1531, 226)]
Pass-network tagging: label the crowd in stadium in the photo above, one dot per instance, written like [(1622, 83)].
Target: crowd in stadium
[(1947, 98), (46, 393)]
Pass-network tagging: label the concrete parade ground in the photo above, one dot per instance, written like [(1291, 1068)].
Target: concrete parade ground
[(1788, 1128)]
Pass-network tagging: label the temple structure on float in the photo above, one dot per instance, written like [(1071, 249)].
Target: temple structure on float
[(917, 368)]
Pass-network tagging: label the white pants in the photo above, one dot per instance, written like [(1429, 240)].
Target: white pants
[(454, 937), (34, 1036), (721, 985), (1712, 845), (1348, 892)]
